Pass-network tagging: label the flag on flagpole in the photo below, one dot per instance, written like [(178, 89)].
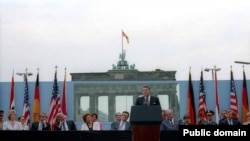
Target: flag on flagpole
[(190, 102), (233, 96), (12, 94), (202, 101), (217, 107), (245, 106), (64, 107), (26, 105), (36, 107), (54, 103), (125, 35)]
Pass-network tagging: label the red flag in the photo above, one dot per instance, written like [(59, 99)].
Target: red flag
[(202, 101), (233, 96), (12, 93), (64, 107), (190, 103), (245, 106), (36, 107), (125, 35), (217, 107), (54, 103)]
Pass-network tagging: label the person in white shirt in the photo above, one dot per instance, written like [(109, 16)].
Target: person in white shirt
[(22, 120), (94, 118), (11, 123), (88, 125)]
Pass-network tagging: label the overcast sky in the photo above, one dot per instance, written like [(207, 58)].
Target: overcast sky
[(85, 36)]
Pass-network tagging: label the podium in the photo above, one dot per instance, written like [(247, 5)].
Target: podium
[(146, 121)]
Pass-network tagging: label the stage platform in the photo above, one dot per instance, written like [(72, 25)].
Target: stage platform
[(79, 135)]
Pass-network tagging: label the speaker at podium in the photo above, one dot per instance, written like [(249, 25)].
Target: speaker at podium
[(146, 121)]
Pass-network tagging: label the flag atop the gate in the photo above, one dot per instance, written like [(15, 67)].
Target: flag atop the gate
[(126, 36)]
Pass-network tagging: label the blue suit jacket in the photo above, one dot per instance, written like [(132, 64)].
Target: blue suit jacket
[(115, 125), (165, 125), (235, 122)]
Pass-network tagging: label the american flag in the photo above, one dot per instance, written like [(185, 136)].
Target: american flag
[(26, 105), (202, 99), (233, 96), (54, 103)]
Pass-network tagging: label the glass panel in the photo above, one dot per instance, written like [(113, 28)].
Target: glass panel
[(123, 103), (164, 100), (84, 104), (103, 108)]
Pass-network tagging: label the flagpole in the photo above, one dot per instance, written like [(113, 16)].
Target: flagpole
[(122, 42), (214, 79), (245, 106)]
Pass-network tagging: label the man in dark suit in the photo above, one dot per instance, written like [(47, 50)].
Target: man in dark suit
[(170, 123), (230, 120), (123, 124), (147, 98), (63, 124), (42, 124)]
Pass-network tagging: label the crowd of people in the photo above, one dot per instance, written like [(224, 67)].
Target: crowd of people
[(62, 123), (121, 123)]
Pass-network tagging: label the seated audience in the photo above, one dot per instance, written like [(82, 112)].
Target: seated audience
[(94, 118), (62, 124), (12, 123), (88, 125), (170, 123), (186, 120), (22, 120), (230, 120), (42, 124), (209, 120), (123, 124)]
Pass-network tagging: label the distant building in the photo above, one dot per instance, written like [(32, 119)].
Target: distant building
[(106, 93)]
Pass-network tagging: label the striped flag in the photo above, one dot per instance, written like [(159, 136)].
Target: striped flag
[(64, 106), (12, 94), (217, 107), (245, 106), (36, 107), (54, 103), (190, 103), (202, 101), (26, 105), (233, 96), (125, 35)]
